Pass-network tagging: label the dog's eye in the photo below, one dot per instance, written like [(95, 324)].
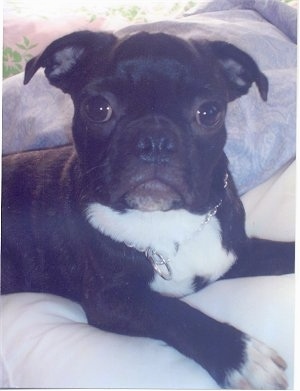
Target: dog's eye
[(209, 114), (98, 109)]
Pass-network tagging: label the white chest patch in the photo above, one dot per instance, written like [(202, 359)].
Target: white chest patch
[(193, 247)]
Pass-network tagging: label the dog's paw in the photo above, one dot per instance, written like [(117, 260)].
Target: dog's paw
[(262, 368)]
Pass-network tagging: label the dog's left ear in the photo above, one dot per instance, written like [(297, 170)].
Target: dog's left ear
[(69, 60), (240, 70)]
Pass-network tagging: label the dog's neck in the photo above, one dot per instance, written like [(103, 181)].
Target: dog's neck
[(145, 231), (162, 264)]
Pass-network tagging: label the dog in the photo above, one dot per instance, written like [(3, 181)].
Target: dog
[(142, 209)]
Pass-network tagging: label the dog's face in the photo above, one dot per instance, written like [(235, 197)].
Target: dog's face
[(149, 114)]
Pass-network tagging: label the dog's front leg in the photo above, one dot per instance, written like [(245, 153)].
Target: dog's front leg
[(233, 359), (259, 257)]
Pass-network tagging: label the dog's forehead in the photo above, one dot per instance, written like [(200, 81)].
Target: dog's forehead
[(158, 66), (145, 68), (160, 55)]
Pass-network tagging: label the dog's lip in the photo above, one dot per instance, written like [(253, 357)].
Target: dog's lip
[(153, 195)]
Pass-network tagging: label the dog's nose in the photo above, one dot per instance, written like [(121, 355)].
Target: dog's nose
[(156, 147)]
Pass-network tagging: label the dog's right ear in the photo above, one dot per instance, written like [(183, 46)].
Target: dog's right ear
[(69, 60), (240, 70)]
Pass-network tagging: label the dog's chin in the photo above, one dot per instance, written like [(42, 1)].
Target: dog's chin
[(153, 196)]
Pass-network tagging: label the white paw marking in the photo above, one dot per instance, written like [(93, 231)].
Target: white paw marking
[(263, 369)]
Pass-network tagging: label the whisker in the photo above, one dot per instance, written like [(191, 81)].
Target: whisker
[(92, 169)]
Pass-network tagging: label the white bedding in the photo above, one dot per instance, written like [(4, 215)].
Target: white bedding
[(47, 343)]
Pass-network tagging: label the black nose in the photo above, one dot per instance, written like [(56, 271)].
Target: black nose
[(156, 146)]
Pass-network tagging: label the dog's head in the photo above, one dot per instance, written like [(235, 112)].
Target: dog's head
[(149, 114)]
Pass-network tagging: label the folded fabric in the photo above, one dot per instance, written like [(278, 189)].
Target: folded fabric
[(261, 135)]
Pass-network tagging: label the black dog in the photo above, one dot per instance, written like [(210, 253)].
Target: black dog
[(143, 209)]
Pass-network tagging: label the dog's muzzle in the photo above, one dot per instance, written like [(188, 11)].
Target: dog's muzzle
[(156, 180), (153, 195)]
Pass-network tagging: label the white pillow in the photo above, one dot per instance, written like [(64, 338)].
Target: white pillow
[(47, 343)]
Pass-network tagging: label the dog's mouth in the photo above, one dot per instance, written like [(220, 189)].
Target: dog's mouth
[(153, 195)]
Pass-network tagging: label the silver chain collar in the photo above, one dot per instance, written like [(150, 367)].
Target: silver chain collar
[(160, 263)]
